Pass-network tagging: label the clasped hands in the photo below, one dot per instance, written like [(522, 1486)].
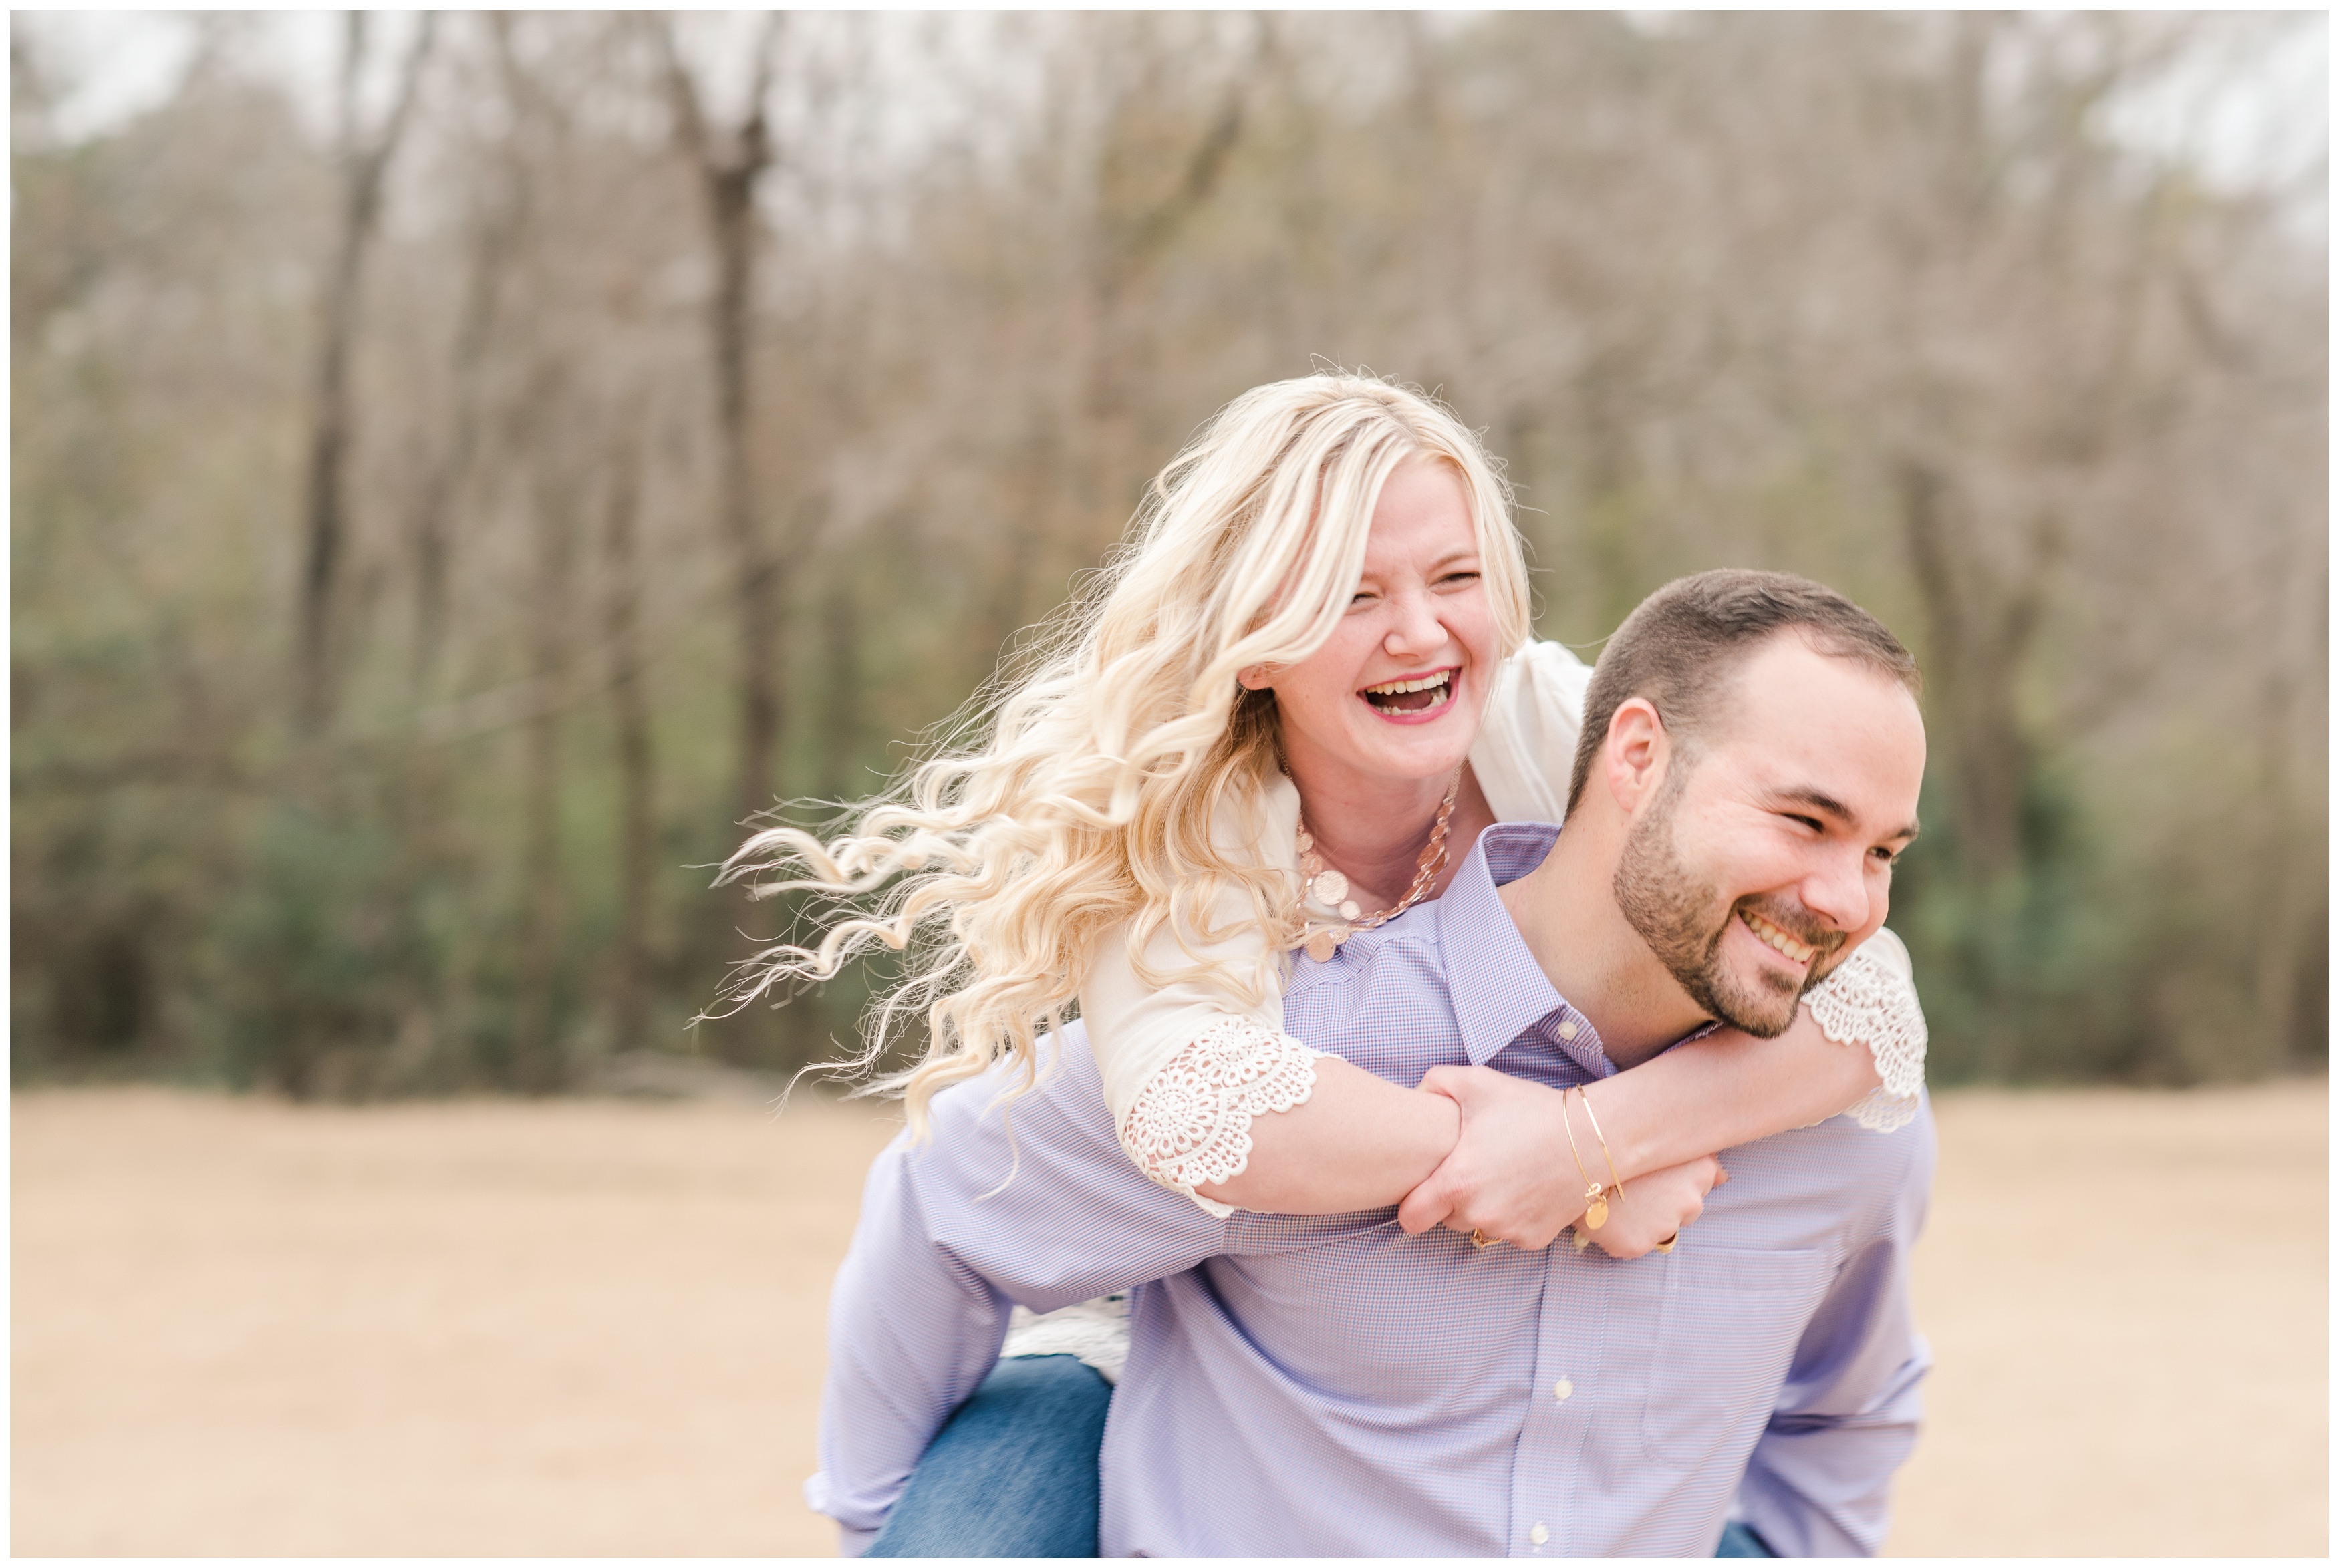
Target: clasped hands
[(1509, 1178)]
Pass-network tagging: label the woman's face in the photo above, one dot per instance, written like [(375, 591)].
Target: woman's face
[(1397, 692)]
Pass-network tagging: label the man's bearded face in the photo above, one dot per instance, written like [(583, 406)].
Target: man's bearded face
[(1680, 911)]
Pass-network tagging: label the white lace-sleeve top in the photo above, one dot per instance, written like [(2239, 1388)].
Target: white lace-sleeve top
[(1186, 1072)]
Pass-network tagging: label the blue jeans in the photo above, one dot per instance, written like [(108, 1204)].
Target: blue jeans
[(1013, 1474)]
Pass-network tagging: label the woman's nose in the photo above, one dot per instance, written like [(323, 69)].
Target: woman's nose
[(1417, 629)]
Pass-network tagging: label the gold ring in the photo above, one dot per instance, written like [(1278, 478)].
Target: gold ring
[(1478, 1238), (1667, 1244)]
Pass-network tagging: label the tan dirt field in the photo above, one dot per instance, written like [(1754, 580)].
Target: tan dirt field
[(594, 1327)]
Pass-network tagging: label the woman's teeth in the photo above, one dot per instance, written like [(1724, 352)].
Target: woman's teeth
[(1799, 952), (1423, 695)]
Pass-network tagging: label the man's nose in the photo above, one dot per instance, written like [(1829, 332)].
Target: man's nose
[(1838, 893)]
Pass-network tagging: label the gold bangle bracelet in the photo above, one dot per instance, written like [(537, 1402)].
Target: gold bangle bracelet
[(1585, 1096), (1595, 1198)]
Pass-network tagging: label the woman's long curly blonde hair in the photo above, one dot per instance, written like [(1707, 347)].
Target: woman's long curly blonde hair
[(1076, 794)]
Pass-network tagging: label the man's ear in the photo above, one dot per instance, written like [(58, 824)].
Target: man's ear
[(1635, 755)]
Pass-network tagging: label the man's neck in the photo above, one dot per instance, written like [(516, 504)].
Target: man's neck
[(1566, 910)]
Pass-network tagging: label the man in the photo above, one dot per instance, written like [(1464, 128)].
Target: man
[(1333, 1386)]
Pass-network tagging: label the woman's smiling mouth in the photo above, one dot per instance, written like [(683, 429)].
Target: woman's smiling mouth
[(1414, 696)]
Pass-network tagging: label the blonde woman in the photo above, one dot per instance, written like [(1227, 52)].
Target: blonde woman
[(1284, 713)]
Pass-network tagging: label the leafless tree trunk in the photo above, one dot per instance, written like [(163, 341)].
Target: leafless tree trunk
[(363, 161), (629, 706), (730, 165), (1981, 633), (536, 1065), (502, 210)]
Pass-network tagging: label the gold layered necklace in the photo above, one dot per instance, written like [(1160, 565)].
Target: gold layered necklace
[(1330, 888)]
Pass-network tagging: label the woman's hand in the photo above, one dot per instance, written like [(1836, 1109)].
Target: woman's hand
[(1508, 1178), (1511, 1179), (1654, 1208)]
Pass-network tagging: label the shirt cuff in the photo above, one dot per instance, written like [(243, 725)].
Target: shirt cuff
[(851, 1541)]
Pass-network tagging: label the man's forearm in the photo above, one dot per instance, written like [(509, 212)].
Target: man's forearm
[(911, 1334), (1820, 1481), (1822, 1487), (955, 1231)]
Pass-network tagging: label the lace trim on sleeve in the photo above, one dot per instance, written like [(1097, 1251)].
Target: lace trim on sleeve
[(1190, 1126), (1867, 1001)]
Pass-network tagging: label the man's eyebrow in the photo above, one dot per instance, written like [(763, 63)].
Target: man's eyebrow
[(1827, 804), (1819, 801)]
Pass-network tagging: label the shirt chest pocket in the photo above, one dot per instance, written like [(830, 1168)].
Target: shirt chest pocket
[(1727, 1325)]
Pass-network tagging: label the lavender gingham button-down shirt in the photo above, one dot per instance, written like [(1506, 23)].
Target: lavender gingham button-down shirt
[(1332, 1386)]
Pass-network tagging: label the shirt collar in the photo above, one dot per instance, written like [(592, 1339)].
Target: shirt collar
[(1500, 993)]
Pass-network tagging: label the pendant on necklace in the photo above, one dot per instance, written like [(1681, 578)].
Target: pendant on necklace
[(1322, 946), (1330, 888)]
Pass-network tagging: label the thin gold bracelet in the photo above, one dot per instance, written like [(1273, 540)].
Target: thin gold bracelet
[(1584, 1095), (1596, 1198)]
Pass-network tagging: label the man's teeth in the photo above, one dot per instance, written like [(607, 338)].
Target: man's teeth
[(1799, 952)]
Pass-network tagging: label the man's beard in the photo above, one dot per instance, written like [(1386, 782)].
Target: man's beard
[(1672, 908)]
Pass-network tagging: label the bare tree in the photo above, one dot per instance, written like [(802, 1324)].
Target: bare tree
[(499, 215), (362, 160), (629, 706), (730, 162)]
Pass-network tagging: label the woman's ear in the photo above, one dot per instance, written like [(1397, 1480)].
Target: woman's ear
[(1253, 679)]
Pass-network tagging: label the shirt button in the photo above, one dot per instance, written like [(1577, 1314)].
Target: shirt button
[(1561, 1389), (1567, 1029), (1539, 1535)]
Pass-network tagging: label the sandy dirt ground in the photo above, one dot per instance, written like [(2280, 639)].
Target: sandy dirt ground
[(595, 1328)]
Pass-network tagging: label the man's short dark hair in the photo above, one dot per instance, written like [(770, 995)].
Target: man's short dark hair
[(1680, 646)]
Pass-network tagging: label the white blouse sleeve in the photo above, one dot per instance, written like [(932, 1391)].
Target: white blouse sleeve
[(1525, 749), (1186, 1071), (1871, 1000), (1523, 758)]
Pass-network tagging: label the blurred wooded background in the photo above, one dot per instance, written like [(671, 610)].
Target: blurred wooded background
[(445, 504)]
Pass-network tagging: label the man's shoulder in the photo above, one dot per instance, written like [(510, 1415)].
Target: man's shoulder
[(1843, 1153)]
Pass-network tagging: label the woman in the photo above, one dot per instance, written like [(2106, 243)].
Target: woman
[(1284, 712)]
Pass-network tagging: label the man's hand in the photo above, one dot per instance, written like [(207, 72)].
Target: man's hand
[(1509, 1176), (1656, 1206)]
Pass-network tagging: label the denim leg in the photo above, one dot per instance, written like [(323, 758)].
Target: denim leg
[(1013, 1474), (1738, 1540)]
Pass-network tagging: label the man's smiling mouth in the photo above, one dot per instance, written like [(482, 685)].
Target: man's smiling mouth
[(1788, 947), (1413, 695)]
